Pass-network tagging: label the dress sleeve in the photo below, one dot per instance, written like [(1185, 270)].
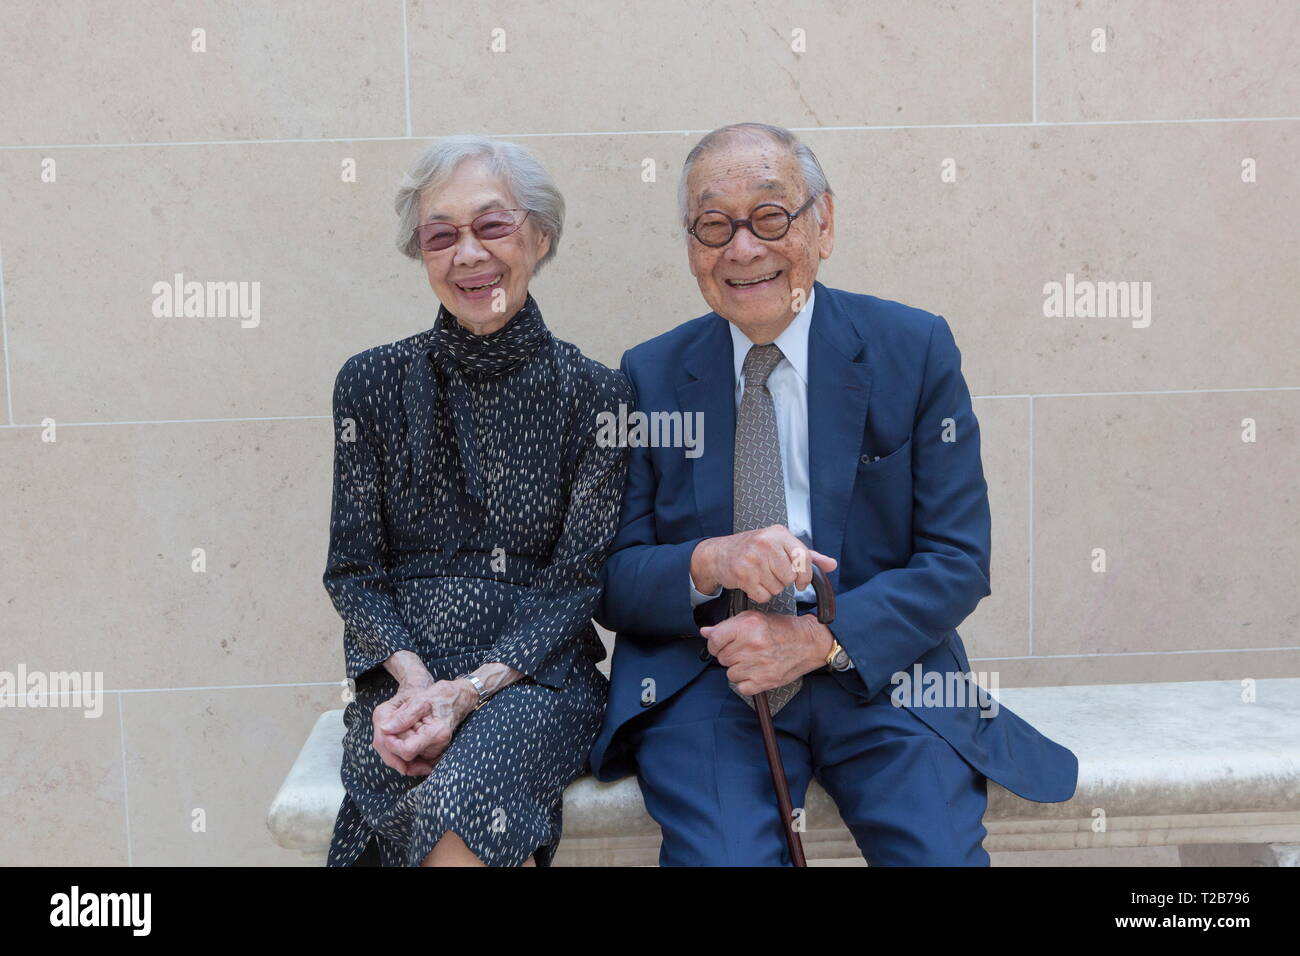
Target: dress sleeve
[(355, 573), (541, 634)]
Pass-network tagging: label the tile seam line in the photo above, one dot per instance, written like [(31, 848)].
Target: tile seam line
[(312, 418), (1153, 391), (4, 343), (174, 690), (1029, 505), (1036, 657), (178, 421), (406, 67), (560, 134), (1101, 654), (126, 796), (1033, 59)]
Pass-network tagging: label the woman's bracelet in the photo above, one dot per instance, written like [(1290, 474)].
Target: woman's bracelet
[(477, 684)]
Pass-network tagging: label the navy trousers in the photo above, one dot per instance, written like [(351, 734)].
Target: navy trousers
[(907, 796)]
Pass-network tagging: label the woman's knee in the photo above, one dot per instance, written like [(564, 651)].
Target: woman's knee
[(451, 850)]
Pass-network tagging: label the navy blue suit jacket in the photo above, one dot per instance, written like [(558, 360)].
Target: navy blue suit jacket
[(904, 511)]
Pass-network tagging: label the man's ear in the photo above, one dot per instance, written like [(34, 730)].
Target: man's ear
[(826, 231), (690, 259)]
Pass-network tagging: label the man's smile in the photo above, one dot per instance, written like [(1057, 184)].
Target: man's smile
[(755, 281)]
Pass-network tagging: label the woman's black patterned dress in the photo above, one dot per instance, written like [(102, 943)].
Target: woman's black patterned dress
[(473, 510)]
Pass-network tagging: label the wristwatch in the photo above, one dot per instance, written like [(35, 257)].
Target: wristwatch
[(477, 684), (838, 659)]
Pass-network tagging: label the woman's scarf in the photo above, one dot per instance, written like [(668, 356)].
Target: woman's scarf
[(460, 355)]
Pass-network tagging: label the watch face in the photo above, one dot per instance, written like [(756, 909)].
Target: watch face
[(841, 660)]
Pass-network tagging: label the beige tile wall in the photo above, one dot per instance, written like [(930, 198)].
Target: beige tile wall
[(178, 434)]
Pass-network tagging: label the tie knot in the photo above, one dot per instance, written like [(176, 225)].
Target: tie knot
[(759, 362)]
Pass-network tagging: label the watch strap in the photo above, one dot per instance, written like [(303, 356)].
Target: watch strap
[(837, 651), (477, 684)]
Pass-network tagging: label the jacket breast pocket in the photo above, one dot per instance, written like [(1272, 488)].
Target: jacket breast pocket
[(878, 530), (897, 462)]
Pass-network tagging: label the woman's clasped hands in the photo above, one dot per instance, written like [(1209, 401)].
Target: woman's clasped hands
[(415, 725)]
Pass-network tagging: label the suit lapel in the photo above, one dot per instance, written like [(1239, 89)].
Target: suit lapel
[(708, 385), (839, 386)]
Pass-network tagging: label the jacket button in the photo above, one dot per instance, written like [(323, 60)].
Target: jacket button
[(704, 653)]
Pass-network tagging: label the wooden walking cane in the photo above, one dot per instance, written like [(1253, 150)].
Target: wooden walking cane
[(825, 614)]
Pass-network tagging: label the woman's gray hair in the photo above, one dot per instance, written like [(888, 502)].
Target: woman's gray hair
[(529, 184), (814, 179)]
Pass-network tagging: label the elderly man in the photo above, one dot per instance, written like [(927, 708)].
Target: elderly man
[(838, 431)]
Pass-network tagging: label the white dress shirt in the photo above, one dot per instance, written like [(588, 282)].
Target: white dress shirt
[(788, 384)]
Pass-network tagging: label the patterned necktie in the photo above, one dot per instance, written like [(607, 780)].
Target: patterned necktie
[(758, 482)]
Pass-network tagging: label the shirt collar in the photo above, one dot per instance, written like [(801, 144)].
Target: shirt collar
[(793, 342)]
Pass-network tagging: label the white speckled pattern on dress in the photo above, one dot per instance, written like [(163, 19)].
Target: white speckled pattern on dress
[(416, 562)]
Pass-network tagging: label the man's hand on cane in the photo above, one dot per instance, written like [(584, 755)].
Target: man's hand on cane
[(762, 651), (761, 563)]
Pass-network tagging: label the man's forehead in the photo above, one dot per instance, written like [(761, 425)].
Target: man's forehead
[(719, 187), (741, 179)]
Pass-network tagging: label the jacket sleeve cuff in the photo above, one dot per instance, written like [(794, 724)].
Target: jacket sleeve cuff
[(364, 654), (643, 592), (697, 598), (551, 671), (876, 643)]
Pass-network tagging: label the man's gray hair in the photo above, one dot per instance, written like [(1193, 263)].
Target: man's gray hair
[(529, 185), (814, 179)]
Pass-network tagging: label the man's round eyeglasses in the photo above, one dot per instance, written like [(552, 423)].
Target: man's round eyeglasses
[(768, 220), (497, 224)]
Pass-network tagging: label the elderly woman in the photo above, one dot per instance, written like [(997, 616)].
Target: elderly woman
[(473, 509)]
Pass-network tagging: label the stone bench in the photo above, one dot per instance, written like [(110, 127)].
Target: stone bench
[(1179, 764)]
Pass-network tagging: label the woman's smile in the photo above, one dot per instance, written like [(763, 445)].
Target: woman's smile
[(478, 286)]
